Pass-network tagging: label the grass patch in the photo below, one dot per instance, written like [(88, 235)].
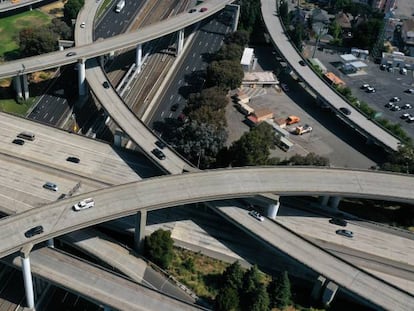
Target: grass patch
[(11, 106), (10, 27), (198, 272)]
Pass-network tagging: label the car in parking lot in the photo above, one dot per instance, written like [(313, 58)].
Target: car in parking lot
[(370, 89), (158, 153), (405, 116), (395, 108), (345, 111), (203, 9), (71, 54), (105, 84), (406, 106), (73, 159), (346, 233), (364, 86), (18, 141), (338, 221), (383, 66), (410, 91), (389, 105), (256, 215), (84, 204), (410, 119), (34, 231), (192, 11), (395, 99), (50, 186)]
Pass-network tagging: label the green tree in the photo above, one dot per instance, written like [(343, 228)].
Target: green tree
[(258, 299), (230, 51), (227, 299), (284, 12), (60, 28), (71, 10), (249, 14), (309, 159), (239, 37), (279, 290), (37, 41), (233, 276), (159, 248), (251, 279), (253, 147), (226, 74)]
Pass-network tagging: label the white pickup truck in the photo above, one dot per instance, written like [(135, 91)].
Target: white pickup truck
[(84, 204)]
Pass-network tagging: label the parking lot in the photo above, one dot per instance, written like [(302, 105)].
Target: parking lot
[(387, 85)]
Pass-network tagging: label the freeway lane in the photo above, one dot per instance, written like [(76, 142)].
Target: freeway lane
[(282, 43), (101, 47), (111, 203)]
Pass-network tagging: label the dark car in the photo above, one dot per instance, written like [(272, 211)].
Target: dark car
[(175, 107), (338, 221), (203, 9), (71, 54), (105, 84), (34, 231), (160, 144), (346, 233), (73, 159), (18, 141), (192, 11), (345, 111), (158, 153), (302, 62)]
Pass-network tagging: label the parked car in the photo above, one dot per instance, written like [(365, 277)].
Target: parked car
[(346, 233), (158, 153), (345, 111), (84, 204), (256, 215), (364, 86), (405, 116), (175, 107), (396, 108), (34, 231), (406, 106), (370, 89), (18, 141), (395, 99), (410, 91), (389, 105), (71, 54), (73, 159), (338, 221), (160, 144)]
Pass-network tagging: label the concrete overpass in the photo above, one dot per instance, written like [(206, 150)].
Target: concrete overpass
[(313, 81), (58, 218), (101, 47)]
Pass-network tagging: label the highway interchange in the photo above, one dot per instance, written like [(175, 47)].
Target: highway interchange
[(410, 199)]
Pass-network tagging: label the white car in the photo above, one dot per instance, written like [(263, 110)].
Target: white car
[(84, 204), (256, 215), (82, 25)]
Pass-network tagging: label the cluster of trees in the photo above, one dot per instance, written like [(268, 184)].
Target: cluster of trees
[(45, 39), (246, 291), (158, 247), (253, 149)]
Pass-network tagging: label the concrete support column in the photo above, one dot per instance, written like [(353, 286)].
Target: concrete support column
[(51, 243), (329, 293), (81, 77), (25, 87), (27, 277), (18, 86), (272, 209), (139, 235), (323, 200), (118, 136), (138, 60), (317, 288), (180, 41), (334, 202)]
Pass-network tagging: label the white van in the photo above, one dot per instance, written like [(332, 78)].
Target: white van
[(84, 204), (27, 136)]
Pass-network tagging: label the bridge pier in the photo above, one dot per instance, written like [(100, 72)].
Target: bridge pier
[(18, 86), (323, 200), (329, 293), (272, 209), (138, 60), (139, 234), (27, 276), (317, 288), (81, 77), (51, 243), (334, 202), (25, 87), (180, 41)]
